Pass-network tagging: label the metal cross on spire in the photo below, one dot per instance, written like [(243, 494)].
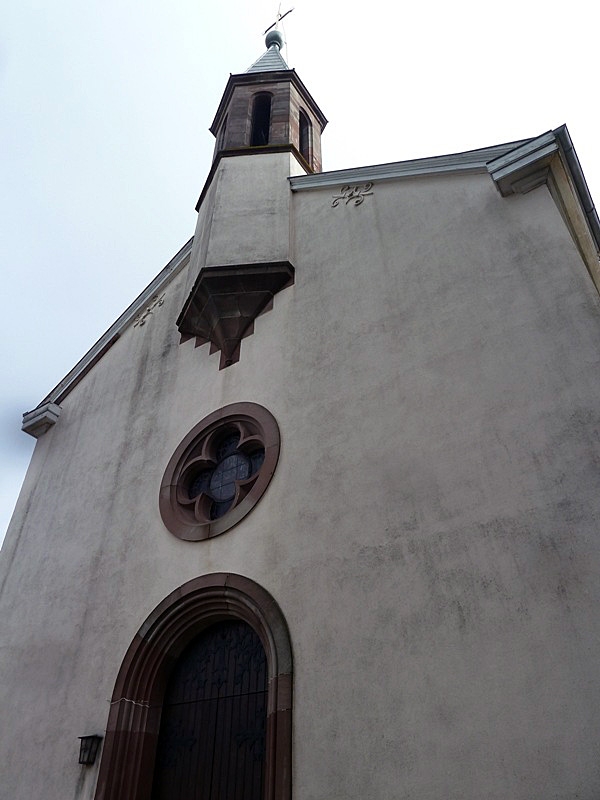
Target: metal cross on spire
[(280, 16)]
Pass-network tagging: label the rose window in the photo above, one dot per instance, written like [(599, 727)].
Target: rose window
[(219, 471)]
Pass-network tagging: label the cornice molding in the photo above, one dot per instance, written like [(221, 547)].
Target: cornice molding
[(524, 168), (551, 160)]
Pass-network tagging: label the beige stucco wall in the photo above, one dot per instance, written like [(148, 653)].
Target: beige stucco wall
[(430, 532)]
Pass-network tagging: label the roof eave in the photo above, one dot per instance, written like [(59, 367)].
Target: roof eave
[(46, 413), (551, 160), (468, 161)]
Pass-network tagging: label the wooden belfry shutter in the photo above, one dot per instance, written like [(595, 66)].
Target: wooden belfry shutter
[(211, 744)]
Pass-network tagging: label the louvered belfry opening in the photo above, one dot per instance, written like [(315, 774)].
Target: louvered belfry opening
[(211, 744)]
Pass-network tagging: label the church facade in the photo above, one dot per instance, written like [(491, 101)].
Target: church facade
[(318, 515)]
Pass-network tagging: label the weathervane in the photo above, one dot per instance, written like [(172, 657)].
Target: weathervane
[(280, 16)]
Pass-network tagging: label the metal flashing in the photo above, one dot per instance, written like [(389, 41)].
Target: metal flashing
[(468, 161), (572, 162), (525, 151)]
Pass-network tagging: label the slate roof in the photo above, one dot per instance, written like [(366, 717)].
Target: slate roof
[(271, 61)]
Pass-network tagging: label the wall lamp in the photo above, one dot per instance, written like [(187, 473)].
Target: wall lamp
[(89, 748)]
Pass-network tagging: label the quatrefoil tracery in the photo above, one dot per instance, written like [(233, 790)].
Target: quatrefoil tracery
[(219, 471), (222, 473)]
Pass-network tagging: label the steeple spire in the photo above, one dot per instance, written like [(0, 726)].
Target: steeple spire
[(272, 60)]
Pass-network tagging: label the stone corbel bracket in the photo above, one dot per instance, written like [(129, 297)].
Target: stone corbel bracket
[(550, 160), (38, 421), (225, 301)]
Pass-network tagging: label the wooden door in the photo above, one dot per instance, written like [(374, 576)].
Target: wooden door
[(211, 743)]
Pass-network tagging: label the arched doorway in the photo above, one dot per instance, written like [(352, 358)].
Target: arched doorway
[(206, 621), (211, 744)]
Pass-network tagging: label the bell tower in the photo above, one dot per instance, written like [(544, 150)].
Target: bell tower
[(268, 109)]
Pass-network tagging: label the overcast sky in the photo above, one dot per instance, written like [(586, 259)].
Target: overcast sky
[(104, 142)]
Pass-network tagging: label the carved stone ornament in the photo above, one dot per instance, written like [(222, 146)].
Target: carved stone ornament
[(155, 302), (225, 301), (356, 194)]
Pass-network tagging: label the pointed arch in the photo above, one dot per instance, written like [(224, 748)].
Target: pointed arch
[(127, 765)]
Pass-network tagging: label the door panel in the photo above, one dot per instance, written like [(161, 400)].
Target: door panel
[(212, 737)]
